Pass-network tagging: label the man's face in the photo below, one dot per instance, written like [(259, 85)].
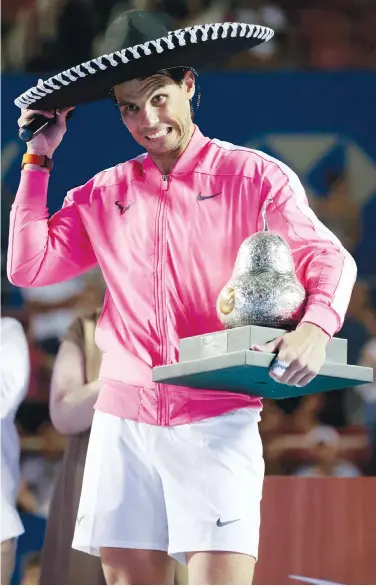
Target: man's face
[(325, 453), (156, 111)]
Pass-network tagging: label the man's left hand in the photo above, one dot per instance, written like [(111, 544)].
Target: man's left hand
[(300, 355)]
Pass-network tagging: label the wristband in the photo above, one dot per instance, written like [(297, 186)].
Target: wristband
[(41, 160)]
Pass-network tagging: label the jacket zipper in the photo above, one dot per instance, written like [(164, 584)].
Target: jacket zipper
[(160, 289)]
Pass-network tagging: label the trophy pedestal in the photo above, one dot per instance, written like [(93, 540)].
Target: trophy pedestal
[(223, 361)]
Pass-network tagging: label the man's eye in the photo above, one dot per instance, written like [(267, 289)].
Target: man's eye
[(158, 98), (128, 108)]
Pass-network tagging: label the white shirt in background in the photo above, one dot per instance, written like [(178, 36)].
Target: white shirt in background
[(341, 470), (40, 476), (14, 380)]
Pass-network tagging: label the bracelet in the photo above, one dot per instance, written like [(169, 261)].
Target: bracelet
[(41, 160)]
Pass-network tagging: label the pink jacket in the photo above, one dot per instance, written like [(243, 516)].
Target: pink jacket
[(166, 246)]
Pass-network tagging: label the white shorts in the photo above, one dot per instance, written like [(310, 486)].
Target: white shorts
[(191, 487)]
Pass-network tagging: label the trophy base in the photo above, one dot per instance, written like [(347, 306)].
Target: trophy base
[(223, 361)]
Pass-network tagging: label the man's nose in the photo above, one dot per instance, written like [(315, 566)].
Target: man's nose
[(149, 117)]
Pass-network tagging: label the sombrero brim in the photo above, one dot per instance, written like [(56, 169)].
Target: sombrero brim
[(199, 46)]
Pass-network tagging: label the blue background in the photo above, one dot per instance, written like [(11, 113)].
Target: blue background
[(242, 108)]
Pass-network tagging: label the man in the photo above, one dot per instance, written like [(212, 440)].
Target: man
[(170, 470), (368, 395), (15, 370), (323, 442)]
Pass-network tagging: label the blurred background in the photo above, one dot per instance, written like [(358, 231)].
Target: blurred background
[(307, 98)]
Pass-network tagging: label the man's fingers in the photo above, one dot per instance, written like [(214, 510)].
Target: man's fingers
[(287, 370), (28, 115), (297, 376), (271, 346), (283, 366), (298, 359), (32, 113), (293, 375), (282, 370), (279, 369), (63, 116), (303, 382), (64, 111)]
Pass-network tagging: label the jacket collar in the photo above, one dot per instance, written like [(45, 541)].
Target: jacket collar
[(188, 160)]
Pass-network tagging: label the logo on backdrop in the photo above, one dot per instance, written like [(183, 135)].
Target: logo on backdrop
[(311, 156)]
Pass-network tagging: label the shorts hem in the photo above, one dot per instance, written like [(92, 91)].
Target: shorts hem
[(214, 547), (94, 549)]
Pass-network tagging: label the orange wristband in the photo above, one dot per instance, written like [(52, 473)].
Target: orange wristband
[(41, 160)]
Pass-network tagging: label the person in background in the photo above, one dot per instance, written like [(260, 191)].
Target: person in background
[(15, 372), (323, 441), (283, 419), (31, 570), (368, 394), (39, 469), (51, 310), (74, 391), (339, 211)]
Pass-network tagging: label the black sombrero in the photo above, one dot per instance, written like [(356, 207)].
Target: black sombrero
[(138, 44)]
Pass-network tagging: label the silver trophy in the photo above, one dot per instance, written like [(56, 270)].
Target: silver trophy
[(263, 289), (262, 300)]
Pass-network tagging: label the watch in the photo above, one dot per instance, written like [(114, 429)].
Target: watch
[(41, 160)]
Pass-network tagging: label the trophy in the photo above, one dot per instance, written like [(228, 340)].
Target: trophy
[(263, 289), (262, 300)]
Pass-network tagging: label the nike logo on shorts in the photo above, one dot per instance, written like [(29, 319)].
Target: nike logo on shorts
[(223, 523)]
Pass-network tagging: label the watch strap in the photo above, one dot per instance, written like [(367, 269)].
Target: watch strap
[(41, 160)]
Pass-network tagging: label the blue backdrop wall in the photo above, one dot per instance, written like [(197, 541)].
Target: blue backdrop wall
[(311, 121)]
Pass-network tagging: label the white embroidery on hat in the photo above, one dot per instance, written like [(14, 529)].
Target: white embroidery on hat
[(209, 32)]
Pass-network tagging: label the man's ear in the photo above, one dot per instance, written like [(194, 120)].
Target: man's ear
[(190, 84)]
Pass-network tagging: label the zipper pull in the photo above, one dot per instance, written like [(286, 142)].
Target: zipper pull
[(165, 182)]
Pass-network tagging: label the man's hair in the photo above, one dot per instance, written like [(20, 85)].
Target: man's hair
[(175, 73)]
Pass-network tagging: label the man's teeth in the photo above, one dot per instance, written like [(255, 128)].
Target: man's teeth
[(158, 134)]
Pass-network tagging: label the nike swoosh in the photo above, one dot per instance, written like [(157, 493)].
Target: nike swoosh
[(79, 519), (314, 581), (223, 523), (202, 197)]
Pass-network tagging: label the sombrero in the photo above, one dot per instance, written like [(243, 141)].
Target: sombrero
[(138, 44)]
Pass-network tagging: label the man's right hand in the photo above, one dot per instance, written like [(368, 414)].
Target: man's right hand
[(46, 141)]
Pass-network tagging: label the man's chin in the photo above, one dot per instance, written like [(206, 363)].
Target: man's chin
[(161, 149)]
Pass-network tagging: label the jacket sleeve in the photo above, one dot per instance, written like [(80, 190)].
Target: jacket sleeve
[(323, 266), (42, 250)]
